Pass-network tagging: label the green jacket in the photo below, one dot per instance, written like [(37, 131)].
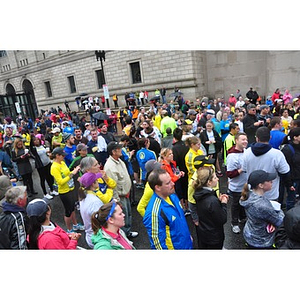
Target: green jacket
[(103, 241)]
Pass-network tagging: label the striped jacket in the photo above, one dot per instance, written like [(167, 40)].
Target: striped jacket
[(12, 227), (166, 224)]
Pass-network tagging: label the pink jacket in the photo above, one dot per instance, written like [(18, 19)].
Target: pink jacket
[(287, 97), (56, 239)]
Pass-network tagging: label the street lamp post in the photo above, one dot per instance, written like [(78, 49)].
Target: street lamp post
[(100, 55)]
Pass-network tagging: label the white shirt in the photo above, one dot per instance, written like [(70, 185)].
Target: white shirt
[(88, 206)]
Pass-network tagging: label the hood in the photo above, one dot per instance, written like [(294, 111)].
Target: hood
[(8, 207), (202, 193), (292, 223), (234, 150), (253, 198), (260, 148)]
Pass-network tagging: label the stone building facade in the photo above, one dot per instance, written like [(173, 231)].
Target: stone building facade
[(51, 77)]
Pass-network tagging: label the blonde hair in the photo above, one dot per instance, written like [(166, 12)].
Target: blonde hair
[(164, 152), (245, 192), (204, 175), (16, 141), (192, 141)]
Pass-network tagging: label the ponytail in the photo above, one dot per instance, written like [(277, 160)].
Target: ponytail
[(245, 192)]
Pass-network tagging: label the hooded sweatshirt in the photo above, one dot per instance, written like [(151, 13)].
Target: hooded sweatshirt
[(261, 156), (260, 213), (236, 180)]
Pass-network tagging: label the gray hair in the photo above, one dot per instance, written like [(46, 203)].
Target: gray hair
[(15, 193), (86, 163)]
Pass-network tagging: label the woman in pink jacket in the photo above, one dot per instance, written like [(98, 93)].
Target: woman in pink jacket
[(42, 233)]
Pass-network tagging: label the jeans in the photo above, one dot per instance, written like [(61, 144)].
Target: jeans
[(291, 195), (237, 211)]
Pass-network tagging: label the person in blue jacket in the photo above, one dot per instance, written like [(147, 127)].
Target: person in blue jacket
[(143, 155), (164, 218)]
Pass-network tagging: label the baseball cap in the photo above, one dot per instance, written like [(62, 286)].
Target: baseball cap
[(87, 179), (263, 106), (37, 207), (56, 129), (192, 112), (81, 146), (260, 176), (112, 146), (201, 160), (210, 112), (58, 151), (151, 165), (187, 122)]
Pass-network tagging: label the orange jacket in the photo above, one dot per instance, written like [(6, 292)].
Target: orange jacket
[(165, 165)]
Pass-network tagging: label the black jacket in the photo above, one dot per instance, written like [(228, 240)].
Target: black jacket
[(212, 216), (288, 234), (293, 159), (24, 165), (12, 227), (250, 128), (204, 139)]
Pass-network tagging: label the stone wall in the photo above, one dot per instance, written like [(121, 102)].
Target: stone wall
[(196, 73)]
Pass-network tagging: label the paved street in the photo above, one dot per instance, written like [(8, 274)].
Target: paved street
[(232, 241)]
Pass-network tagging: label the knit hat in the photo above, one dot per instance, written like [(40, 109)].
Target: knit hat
[(66, 136)]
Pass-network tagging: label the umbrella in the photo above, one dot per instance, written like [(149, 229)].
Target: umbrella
[(176, 94), (155, 98), (100, 116), (77, 98), (85, 101), (83, 94)]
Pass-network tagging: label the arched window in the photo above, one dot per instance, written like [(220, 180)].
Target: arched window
[(10, 90)]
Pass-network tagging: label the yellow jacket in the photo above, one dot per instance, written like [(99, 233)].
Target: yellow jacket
[(106, 197), (189, 161), (61, 173), (148, 192), (157, 121)]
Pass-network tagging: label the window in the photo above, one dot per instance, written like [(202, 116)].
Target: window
[(72, 84), (135, 72), (6, 67), (48, 89), (100, 78), (24, 62), (3, 53)]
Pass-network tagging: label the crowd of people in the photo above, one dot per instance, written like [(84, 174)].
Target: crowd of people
[(175, 152)]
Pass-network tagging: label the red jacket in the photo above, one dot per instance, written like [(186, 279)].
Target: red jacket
[(56, 239), (168, 168)]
